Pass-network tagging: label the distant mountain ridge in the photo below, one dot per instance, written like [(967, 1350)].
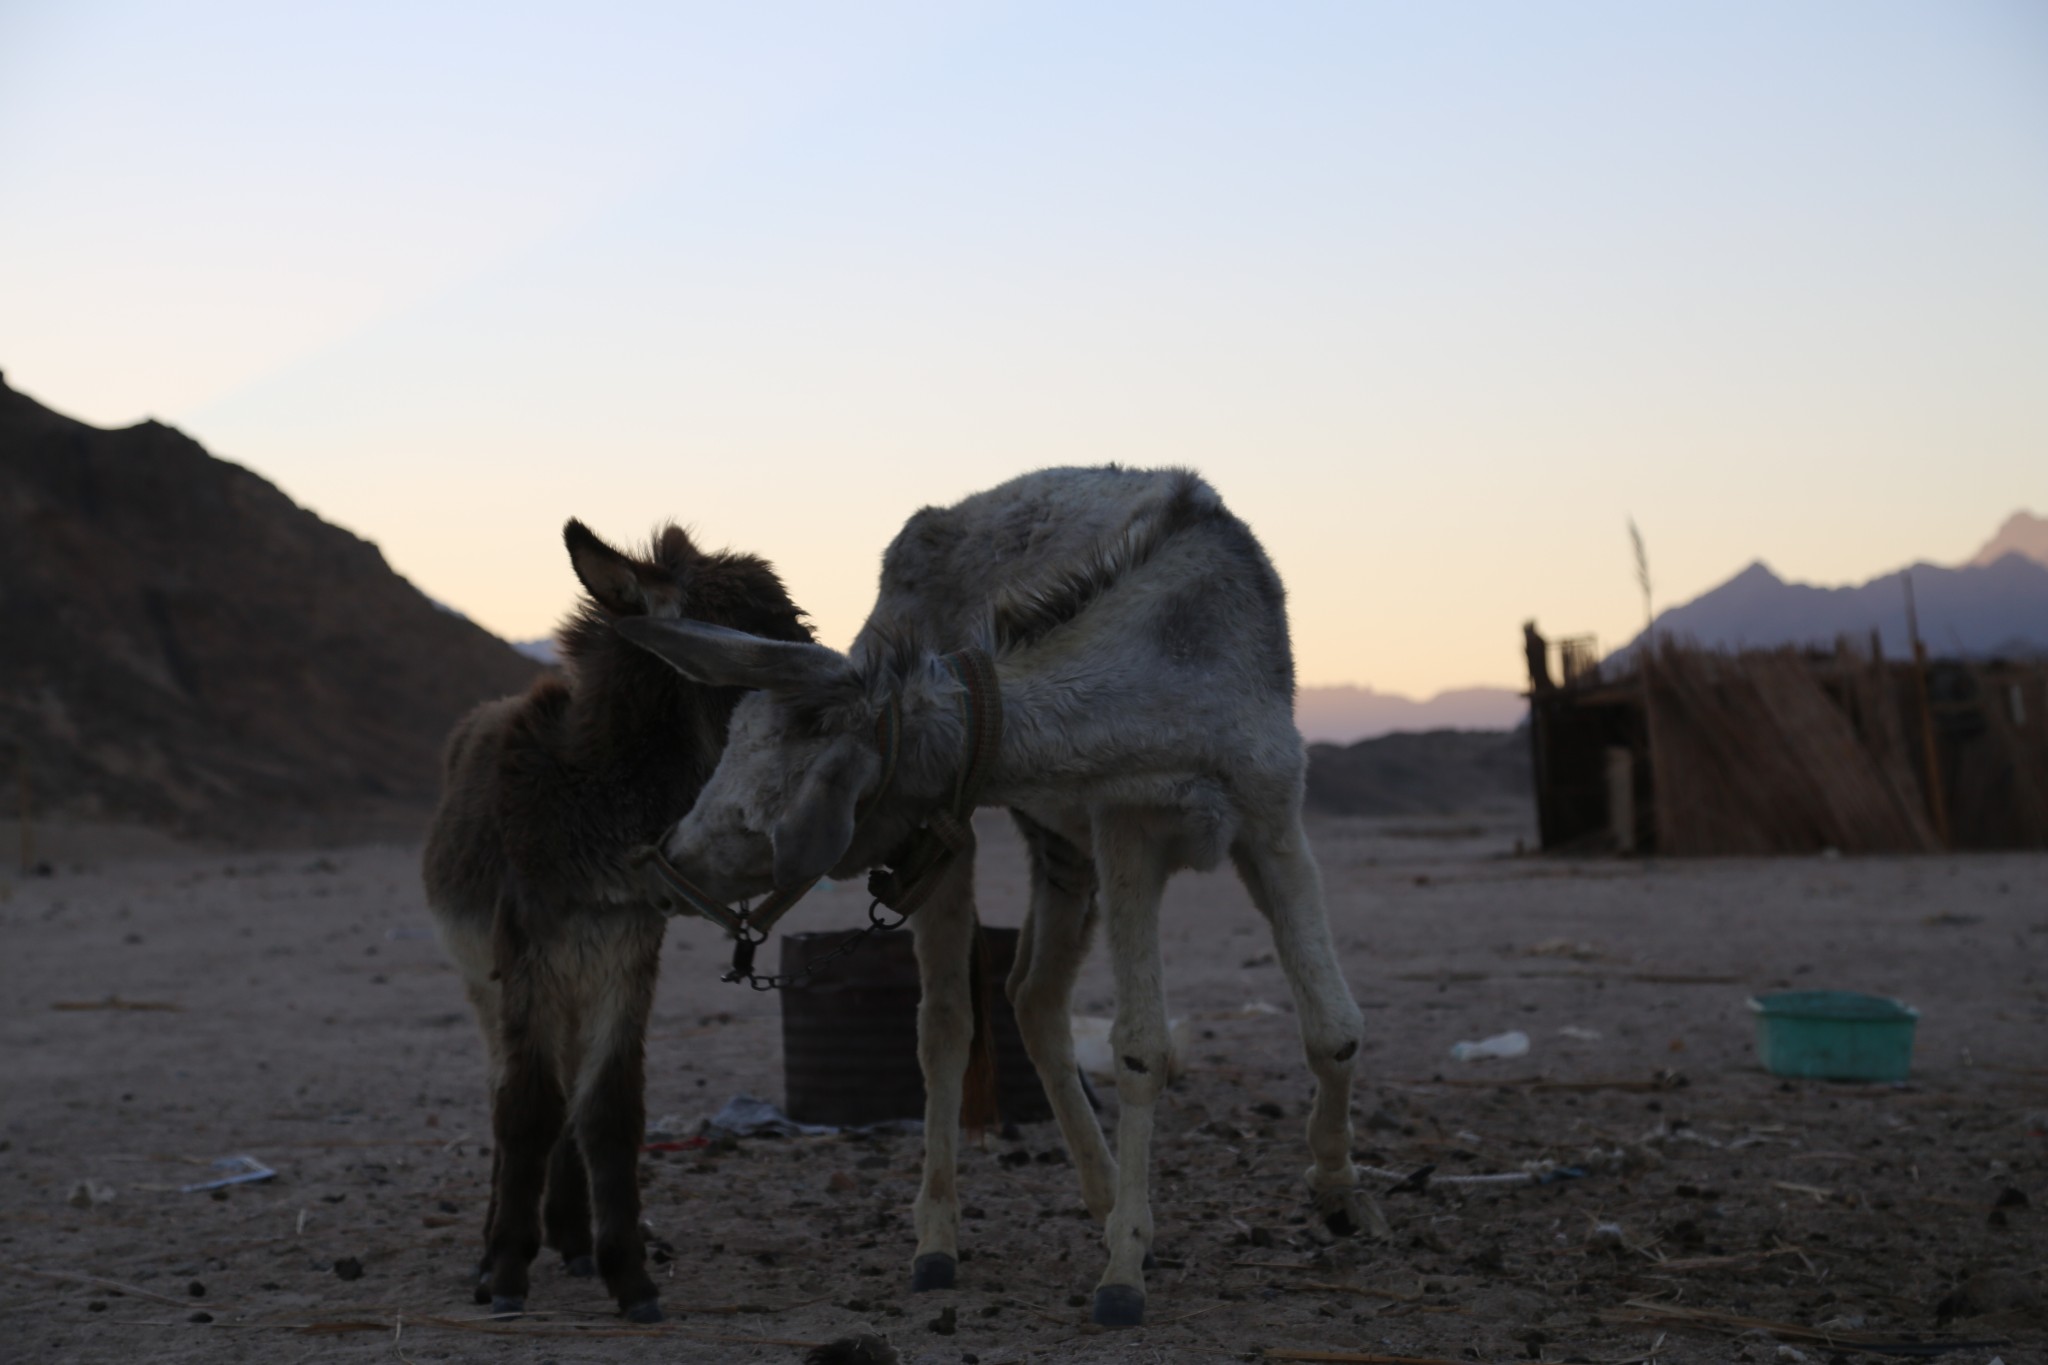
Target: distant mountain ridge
[(188, 648), (2023, 534), (1344, 715), (1996, 605), (1436, 772)]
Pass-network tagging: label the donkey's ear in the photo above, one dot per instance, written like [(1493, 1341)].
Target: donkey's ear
[(813, 833), (733, 658), (620, 584)]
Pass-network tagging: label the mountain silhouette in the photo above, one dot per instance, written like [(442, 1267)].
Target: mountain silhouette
[(2023, 534), (1999, 608), (188, 648)]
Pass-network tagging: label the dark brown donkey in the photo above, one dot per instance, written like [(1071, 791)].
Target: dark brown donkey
[(528, 870)]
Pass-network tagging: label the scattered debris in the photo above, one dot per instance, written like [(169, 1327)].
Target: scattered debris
[(1355, 1357), (93, 1282), (237, 1170), (1606, 1237), (1579, 1033), (348, 1268), (865, 1349), (1503, 1046), (1419, 1180), (115, 1002), (692, 1144), (1647, 1313), (1564, 947), (745, 1116), (90, 1194)]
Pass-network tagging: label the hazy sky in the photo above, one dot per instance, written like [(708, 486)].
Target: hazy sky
[(1438, 295)]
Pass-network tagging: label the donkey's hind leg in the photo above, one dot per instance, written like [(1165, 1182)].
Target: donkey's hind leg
[(527, 1112), (1133, 870), (566, 1214), (1274, 862), (472, 955), (1057, 927), (610, 1108)]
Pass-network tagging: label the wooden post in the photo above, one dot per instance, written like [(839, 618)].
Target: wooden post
[(1937, 800)]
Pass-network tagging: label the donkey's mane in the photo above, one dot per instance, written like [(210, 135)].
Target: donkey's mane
[(1022, 613)]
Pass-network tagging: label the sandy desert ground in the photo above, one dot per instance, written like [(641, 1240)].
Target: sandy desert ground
[(165, 1007)]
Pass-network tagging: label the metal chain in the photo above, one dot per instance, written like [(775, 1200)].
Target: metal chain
[(745, 943)]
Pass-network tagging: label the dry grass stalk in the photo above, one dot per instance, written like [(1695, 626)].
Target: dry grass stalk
[(115, 1002), (1645, 1313), (93, 1282), (1356, 1357), (1719, 1262), (1363, 1290)]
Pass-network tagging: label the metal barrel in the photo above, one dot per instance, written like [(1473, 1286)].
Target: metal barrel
[(849, 1035)]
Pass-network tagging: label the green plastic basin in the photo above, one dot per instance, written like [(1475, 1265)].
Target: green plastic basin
[(1834, 1035)]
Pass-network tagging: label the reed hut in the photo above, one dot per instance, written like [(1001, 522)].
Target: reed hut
[(1676, 749)]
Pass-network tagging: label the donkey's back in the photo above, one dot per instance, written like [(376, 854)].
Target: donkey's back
[(1152, 619)]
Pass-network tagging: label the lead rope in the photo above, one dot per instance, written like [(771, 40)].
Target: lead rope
[(914, 870)]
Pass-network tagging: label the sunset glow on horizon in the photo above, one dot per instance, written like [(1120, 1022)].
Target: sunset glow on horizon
[(1437, 297)]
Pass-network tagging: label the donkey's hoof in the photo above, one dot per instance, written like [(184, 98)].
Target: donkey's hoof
[(1119, 1305), (480, 1292), (580, 1267), (505, 1303), (933, 1270), (1347, 1213), (645, 1311)]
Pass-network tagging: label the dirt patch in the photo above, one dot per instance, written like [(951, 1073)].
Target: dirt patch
[(159, 1014)]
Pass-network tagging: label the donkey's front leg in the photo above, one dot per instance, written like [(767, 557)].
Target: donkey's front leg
[(610, 1116), (1133, 876), (944, 932)]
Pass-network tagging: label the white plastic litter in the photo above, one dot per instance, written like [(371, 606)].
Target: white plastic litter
[(745, 1116), (90, 1194), (235, 1170), (1513, 1043)]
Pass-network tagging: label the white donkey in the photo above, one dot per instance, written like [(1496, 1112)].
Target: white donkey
[(1139, 635)]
